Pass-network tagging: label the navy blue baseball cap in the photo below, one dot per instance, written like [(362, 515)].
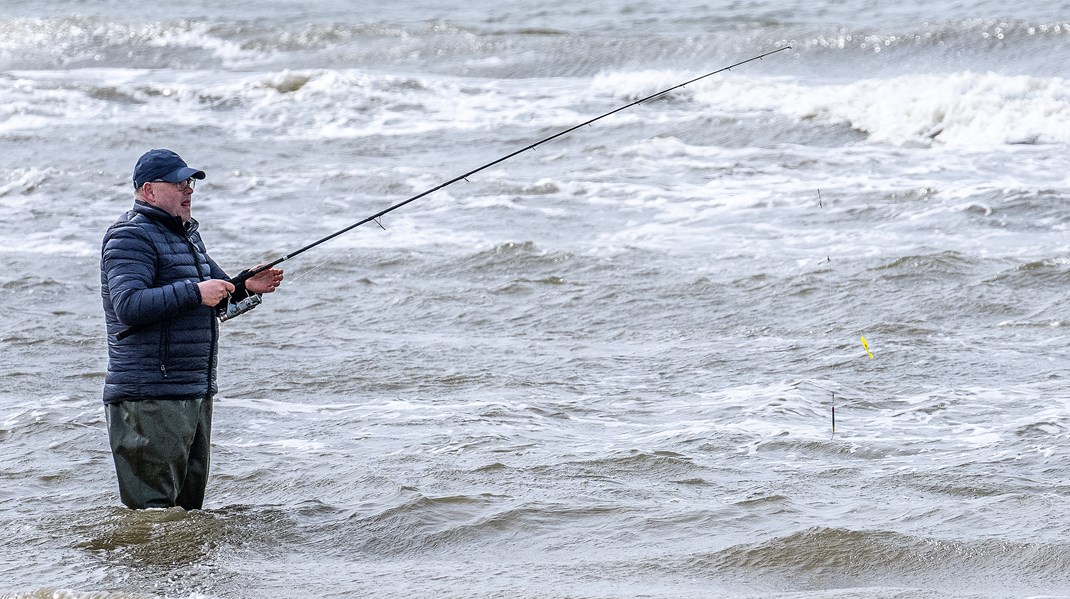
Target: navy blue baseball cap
[(163, 165)]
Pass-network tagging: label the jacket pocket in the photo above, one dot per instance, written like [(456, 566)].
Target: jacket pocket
[(165, 344)]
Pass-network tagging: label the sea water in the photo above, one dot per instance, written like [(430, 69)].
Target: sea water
[(606, 367)]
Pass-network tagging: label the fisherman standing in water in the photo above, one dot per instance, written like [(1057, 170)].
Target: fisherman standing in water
[(161, 291), (160, 288)]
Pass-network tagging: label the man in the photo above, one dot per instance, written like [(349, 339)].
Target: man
[(161, 291)]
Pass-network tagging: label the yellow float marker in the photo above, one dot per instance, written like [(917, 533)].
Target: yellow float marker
[(866, 345)]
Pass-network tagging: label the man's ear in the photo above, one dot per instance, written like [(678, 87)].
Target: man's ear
[(146, 193)]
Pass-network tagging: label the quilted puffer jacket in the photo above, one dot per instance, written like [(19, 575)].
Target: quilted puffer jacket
[(150, 265)]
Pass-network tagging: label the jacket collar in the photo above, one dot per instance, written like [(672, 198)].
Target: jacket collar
[(172, 222)]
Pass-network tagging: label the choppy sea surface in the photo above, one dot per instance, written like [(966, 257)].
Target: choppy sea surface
[(607, 367)]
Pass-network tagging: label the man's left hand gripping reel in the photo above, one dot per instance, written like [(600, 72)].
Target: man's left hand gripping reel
[(239, 302)]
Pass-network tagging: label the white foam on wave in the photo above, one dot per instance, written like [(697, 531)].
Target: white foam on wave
[(971, 110), (80, 40), (21, 182), (46, 243), (312, 104), (283, 408), (975, 423), (198, 35), (964, 109), (351, 104), (284, 444)]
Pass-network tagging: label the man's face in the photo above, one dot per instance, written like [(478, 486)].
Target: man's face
[(173, 198)]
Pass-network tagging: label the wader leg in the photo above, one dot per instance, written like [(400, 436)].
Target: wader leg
[(160, 448), (192, 495)]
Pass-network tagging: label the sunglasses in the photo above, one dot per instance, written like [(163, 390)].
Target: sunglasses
[(182, 185)]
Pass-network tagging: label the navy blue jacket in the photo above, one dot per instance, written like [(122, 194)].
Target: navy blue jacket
[(150, 264)]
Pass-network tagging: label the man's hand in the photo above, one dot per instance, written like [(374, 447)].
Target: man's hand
[(264, 282), (214, 291)]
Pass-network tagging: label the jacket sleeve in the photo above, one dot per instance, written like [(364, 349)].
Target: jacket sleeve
[(217, 272), (129, 264), (240, 292)]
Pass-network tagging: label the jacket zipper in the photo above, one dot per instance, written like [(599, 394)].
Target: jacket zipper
[(164, 345), (212, 321)]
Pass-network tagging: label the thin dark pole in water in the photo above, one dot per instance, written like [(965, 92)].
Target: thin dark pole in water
[(252, 272), (833, 412)]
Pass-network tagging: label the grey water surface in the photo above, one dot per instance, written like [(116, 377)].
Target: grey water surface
[(603, 368)]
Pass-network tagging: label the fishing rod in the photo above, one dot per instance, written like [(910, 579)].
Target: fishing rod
[(245, 275), (254, 271), (232, 309)]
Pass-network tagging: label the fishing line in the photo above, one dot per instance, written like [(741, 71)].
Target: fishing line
[(242, 277), (829, 304), (252, 301), (831, 320), (307, 271)]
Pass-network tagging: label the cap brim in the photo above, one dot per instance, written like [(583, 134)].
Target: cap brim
[(182, 174)]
